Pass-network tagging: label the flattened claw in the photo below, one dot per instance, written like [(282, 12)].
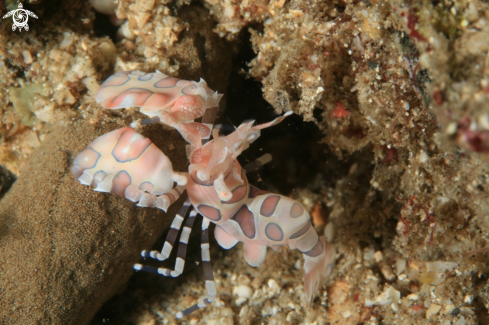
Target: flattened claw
[(175, 102), (126, 163), (156, 91), (153, 91)]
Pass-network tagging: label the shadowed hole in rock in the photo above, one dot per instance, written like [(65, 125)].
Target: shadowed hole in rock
[(7, 179), (298, 156), (104, 27)]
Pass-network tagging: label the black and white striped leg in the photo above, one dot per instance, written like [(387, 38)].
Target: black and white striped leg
[(182, 248), (170, 238), (209, 277)]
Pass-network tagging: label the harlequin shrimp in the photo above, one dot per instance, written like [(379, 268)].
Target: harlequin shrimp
[(126, 163), (169, 100)]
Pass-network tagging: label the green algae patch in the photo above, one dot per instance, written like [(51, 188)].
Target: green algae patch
[(23, 98)]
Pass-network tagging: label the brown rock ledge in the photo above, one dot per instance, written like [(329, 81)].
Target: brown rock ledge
[(65, 249)]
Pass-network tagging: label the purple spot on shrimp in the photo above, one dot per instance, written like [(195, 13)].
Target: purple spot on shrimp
[(296, 210), (87, 159), (168, 82), (274, 232), (209, 212), (302, 231), (246, 221), (120, 182), (269, 205), (128, 98), (316, 250), (116, 80), (130, 146)]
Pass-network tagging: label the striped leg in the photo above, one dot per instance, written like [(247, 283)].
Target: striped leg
[(209, 277), (170, 241), (172, 234), (182, 248), (170, 238)]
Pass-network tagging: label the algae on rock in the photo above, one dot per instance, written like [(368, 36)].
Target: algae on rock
[(22, 98)]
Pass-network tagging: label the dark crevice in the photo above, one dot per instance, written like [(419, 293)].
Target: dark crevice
[(318, 114), (102, 26), (298, 156), (481, 310), (200, 46)]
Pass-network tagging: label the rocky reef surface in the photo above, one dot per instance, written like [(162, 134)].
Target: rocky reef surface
[(388, 151)]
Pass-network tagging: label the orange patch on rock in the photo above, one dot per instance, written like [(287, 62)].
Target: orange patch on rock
[(318, 218), (341, 302), (340, 111)]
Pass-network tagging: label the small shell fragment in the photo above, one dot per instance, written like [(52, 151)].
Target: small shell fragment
[(244, 291), (378, 256), (432, 310), (67, 40), (27, 57)]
